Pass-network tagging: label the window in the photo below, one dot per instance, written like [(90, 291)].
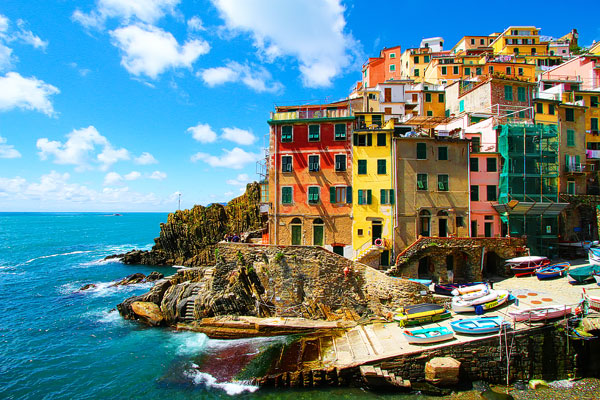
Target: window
[(416, 59), (521, 94), (570, 114), (313, 194), (461, 106), (539, 108), (481, 41), (359, 232), (364, 197), (442, 153), (571, 186), (421, 181), (475, 144), (492, 193), (313, 163), (491, 165), (444, 71), (467, 71), (286, 133), (491, 69), (594, 124), (376, 120), (340, 194), (387, 196), (388, 110), (551, 109), (472, 41), (381, 167), (460, 221), (363, 140), (533, 52), (340, 162), (474, 164), (478, 71), (381, 141), (455, 70), (286, 164), (441, 97), (570, 137), (362, 167), (426, 59), (593, 101), (286, 195), (427, 97), (508, 93), (508, 70), (392, 55), (443, 183), (429, 113), (340, 131), (314, 133), (474, 193), (416, 72), (421, 151), (392, 67), (521, 114), (520, 71)]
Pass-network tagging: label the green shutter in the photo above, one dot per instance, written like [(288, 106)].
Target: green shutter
[(369, 196), (382, 196), (392, 199), (369, 139), (421, 151), (570, 137), (355, 139), (508, 92), (381, 167), (332, 194), (360, 197), (349, 195)]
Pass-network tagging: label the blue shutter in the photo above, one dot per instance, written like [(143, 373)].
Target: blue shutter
[(349, 194)]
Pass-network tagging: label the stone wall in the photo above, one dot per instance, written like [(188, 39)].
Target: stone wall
[(580, 213)]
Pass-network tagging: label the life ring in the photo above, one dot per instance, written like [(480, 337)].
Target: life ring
[(378, 242)]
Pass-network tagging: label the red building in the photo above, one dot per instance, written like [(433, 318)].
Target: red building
[(310, 177)]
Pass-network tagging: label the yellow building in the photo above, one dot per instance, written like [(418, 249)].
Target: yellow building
[(413, 63), (373, 189), (517, 40), (546, 111), (591, 100)]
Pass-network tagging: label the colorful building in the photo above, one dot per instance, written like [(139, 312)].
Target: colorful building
[(373, 189), (383, 68), (517, 40), (574, 169), (310, 178), (414, 62)]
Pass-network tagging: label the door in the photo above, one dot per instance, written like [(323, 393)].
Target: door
[(376, 230), (338, 250), (488, 229), (296, 235), (318, 235), (473, 228), (388, 95), (443, 224), (385, 258)]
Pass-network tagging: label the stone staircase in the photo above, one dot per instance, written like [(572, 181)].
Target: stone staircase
[(376, 377), (204, 285), (373, 249)]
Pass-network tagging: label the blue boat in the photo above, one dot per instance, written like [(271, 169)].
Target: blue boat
[(428, 335), (479, 325), (552, 271), (425, 282)]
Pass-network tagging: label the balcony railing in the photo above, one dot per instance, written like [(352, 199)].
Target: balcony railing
[(579, 168), (310, 114)]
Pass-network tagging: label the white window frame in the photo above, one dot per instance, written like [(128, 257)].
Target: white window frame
[(308, 133), (281, 134), (281, 201), (335, 162), (318, 161), (287, 155), (308, 195)]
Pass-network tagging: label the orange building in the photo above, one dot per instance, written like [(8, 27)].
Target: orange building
[(383, 68)]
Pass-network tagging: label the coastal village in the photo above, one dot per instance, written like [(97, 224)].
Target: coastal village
[(388, 227)]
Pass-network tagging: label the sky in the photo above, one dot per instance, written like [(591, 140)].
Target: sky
[(124, 105)]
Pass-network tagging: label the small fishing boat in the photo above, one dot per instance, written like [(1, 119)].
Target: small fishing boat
[(540, 313), (552, 271), (425, 282), (408, 320), (479, 325), (592, 300), (594, 255), (447, 288), (475, 294), (527, 265), (582, 274), (428, 335), (494, 299), (470, 289)]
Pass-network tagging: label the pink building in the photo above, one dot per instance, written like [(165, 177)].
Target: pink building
[(583, 69)]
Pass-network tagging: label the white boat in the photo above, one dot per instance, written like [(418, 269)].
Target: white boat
[(467, 289), (474, 295), (459, 301), (428, 335), (494, 299), (593, 300), (540, 313), (594, 255), (597, 278)]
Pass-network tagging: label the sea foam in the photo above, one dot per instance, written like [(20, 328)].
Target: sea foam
[(209, 381)]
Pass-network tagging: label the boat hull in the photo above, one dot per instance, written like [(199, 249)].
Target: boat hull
[(404, 321), (540, 313), (446, 289), (424, 336), (583, 274), (552, 271), (478, 326)]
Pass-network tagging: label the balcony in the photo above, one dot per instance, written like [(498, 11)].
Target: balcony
[(579, 168), (593, 154), (310, 114)]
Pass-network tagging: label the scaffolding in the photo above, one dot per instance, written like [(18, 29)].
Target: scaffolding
[(528, 189)]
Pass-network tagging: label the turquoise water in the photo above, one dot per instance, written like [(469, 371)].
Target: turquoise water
[(59, 343)]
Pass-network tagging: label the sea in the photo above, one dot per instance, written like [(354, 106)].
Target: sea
[(59, 342)]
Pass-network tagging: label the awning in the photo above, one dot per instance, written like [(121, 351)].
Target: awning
[(531, 208)]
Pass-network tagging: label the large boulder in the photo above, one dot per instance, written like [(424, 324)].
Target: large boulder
[(442, 371), (148, 312)]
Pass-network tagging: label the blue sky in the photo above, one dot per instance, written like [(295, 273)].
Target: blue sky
[(119, 105)]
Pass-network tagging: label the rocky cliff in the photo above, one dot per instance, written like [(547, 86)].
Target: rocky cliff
[(188, 236), (273, 281)]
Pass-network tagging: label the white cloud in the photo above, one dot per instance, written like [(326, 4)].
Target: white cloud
[(203, 133), (8, 150), (158, 175), (81, 71), (112, 178), (195, 24), (81, 149), (239, 136), (132, 176), (255, 77), (150, 51), (240, 180), (148, 11), (3, 24), (145, 159), (6, 59), (25, 93), (235, 159), (310, 31), (28, 37)]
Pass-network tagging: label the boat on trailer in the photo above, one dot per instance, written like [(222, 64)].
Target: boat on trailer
[(479, 325), (540, 313), (428, 335), (552, 271)]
